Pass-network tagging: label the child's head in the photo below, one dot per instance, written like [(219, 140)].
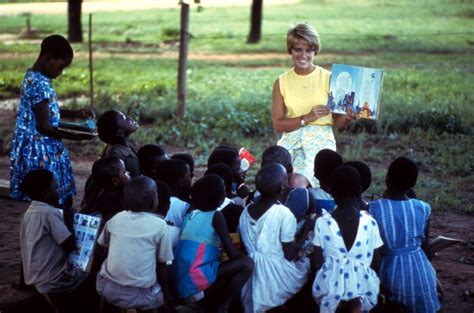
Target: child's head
[(164, 197), (223, 171), (208, 193), (55, 55), (140, 194), (41, 185), (186, 157), (229, 156), (325, 162), (402, 174), (150, 156), (364, 173), (277, 154), (113, 127), (176, 174), (344, 183), (271, 180), (110, 173)]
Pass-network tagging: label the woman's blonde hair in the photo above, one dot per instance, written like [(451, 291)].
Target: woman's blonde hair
[(303, 32)]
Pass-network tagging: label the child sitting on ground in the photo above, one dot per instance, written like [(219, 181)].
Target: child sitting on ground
[(114, 128), (199, 273), (404, 225), (345, 242), (150, 156), (365, 179), (164, 202), (46, 239), (186, 157), (230, 156), (268, 229), (228, 208), (325, 162), (110, 175), (176, 174), (134, 275)]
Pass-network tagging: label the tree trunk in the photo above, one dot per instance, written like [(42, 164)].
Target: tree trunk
[(183, 59), (74, 26), (255, 22)]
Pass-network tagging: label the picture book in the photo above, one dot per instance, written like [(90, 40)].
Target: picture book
[(86, 231), (441, 242), (357, 88), (87, 127)]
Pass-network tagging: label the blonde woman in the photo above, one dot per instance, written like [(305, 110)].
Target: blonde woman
[(299, 100)]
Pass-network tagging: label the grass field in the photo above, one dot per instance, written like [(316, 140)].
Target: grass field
[(425, 47)]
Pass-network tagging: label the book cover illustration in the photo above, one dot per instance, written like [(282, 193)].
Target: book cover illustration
[(86, 230), (357, 88)]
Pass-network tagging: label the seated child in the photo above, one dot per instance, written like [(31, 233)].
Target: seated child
[(199, 273), (404, 225), (134, 275), (228, 208), (325, 162), (150, 157), (113, 128), (268, 229), (110, 175), (47, 238), (230, 156), (347, 238), (365, 178), (186, 157), (176, 174), (297, 199)]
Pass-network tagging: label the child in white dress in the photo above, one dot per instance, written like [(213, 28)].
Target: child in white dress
[(347, 237), (267, 229)]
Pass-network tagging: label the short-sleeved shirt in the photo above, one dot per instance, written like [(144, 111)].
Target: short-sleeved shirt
[(125, 153), (177, 211), (135, 240), (42, 231)]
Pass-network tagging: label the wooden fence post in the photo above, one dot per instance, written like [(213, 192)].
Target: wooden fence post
[(183, 58)]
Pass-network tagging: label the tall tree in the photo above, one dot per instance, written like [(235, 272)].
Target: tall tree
[(74, 25), (255, 22)]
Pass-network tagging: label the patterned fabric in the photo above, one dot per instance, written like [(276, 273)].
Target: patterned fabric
[(405, 270), (274, 279), (303, 145), (33, 150), (346, 274), (302, 92), (197, 254)]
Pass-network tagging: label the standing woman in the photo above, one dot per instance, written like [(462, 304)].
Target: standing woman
[(299, 109), (37, 141)]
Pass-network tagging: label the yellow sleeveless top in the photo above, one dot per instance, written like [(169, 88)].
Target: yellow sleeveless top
[(302, 92)]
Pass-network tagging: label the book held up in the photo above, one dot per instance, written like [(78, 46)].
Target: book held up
[(357, 88)]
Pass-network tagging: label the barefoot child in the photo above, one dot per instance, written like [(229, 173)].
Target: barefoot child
[(37, 142), (404, 225), (199, 273), (268, 229), (134, 275), (347, 238), (114, 128)]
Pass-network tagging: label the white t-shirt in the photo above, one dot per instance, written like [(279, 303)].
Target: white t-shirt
[(177, 211), (135, 241)]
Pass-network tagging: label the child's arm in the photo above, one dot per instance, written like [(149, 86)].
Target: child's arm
[(376, 259), (70, 243), (162, 278), (291, 249), (42, 124), (220, 226), (425, 244)]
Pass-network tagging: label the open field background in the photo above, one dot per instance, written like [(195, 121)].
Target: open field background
[(425, 46)]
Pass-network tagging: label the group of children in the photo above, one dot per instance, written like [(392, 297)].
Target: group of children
[(215, 244)]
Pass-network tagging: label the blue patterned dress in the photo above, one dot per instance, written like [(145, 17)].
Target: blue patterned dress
[(32, 150), (405, 270)]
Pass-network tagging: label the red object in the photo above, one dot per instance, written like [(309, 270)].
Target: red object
[(246, 155)]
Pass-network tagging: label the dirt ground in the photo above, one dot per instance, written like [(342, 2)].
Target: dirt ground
[(455, 265)]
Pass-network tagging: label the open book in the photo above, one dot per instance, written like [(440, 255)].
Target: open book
[(440, 243), (357, 88), (86, 230), (86, 127)]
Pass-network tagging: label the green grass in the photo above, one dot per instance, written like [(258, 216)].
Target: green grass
[(425, 47)]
